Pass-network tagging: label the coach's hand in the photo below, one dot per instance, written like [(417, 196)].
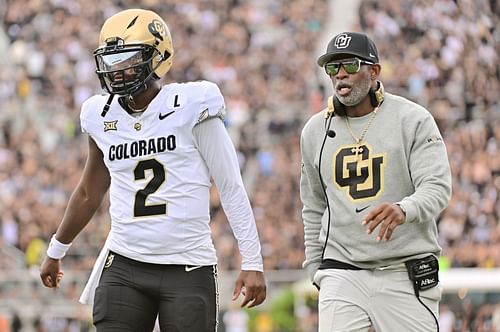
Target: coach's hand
[(50, 272), (388, 216), (253, 286)]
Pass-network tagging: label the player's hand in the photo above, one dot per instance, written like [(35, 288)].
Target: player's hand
[(388, 216), (253, 287), (50, 272)]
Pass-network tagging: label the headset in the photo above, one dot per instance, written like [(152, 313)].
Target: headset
[(334, 106)]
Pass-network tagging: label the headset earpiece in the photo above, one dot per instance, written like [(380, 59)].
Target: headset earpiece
[(340, 108), (329, 114), (377, 96), (336, 107), (330, 109)]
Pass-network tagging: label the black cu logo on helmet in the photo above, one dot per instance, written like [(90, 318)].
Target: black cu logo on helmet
[(362, 175), (157, 29), (342, 41)]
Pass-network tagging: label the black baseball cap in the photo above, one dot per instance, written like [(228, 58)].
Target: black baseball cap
[(350, 43)]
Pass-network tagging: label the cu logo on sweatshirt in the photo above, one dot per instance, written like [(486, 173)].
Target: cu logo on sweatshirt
[(358, 172)]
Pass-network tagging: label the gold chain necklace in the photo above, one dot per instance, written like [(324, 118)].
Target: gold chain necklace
[(358, 149)]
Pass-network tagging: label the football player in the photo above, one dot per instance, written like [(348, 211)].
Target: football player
[(155, 148)]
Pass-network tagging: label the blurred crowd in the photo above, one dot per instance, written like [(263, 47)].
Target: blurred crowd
[(442, 54), (445, 55), (254, 50)]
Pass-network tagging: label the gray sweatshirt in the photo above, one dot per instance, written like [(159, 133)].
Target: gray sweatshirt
[(404, 161)]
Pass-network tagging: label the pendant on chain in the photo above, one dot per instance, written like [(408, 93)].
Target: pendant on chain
[(357, 150)]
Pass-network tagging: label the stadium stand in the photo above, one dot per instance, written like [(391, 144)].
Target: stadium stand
[(442, 53)]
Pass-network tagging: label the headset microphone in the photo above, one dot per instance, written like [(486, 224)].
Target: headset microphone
[(329, 114)]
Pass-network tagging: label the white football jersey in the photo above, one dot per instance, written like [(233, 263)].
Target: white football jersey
[(160, 183)]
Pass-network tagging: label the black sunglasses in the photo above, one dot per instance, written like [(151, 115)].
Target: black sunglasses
[(351, 66)]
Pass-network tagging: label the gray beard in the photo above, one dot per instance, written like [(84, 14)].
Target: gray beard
[(357, 94)]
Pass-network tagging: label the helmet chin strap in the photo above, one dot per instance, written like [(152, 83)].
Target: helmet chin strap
[(105, 109), (144, 86), (139, 90)]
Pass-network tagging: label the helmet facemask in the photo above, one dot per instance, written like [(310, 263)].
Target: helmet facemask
[(124, 70)]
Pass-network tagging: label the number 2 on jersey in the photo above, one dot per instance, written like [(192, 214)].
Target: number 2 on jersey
[(140, 207)]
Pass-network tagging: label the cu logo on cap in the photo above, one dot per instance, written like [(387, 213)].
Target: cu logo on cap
[(342, 41)]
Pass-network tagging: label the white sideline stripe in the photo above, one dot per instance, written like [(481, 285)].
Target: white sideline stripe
[(216, 298)]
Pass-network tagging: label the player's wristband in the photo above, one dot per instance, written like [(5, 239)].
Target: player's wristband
[(57, 250)]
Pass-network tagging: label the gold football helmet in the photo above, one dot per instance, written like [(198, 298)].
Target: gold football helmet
[(135, 46)]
